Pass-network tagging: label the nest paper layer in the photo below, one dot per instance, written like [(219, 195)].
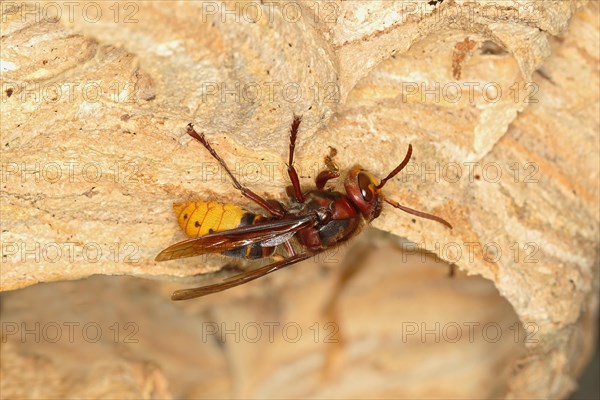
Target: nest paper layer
[(499, 101)]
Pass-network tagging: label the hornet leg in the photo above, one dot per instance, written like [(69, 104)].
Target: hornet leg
[(273, 208)]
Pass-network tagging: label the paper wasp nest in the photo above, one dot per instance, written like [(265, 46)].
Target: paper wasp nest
[(499, 100)]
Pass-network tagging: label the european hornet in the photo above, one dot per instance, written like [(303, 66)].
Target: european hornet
[(316, 220)]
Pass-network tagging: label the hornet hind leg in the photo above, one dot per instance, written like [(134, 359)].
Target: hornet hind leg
[(271, 207)]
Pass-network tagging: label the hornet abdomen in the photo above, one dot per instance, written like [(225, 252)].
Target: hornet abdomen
[(199, 218)]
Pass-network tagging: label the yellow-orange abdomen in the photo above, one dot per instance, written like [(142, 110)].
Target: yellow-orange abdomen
[(199, 218)]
